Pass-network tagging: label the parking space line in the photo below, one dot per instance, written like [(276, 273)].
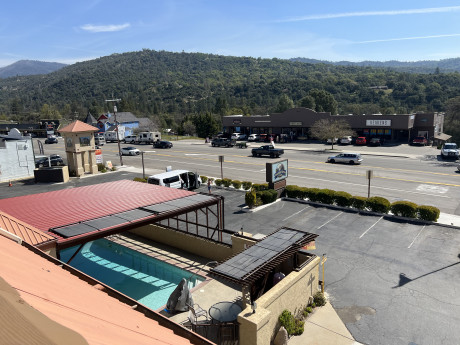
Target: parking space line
[(292, 215), (416, 236), (330, 220), (365, 232)]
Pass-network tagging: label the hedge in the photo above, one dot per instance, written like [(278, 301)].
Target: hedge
[(404, 209), (236, 184), (312, 194), (325, 196), (343, 199), (140, 179), (226, 182), (204, 179), (358, 202), (250, 198), (260, 186), (429, 213), (218, 182), (378, 204), (267, 196), (247, 185)]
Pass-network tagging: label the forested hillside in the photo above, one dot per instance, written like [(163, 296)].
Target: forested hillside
[(157, 82), (29, 67)]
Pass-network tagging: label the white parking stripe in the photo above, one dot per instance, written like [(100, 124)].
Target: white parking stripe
[(292, 215), (416, 236), (365, 232), (330, 220)]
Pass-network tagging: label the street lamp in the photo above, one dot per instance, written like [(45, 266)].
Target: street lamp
[(116, 126)]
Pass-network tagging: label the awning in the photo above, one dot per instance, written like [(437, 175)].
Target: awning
[(442, 136)]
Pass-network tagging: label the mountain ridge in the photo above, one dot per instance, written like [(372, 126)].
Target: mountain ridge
[(29, 67)]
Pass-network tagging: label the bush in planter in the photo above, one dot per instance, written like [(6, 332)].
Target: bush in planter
[(101, 167), (325, 196), (404, 209), (267, 196), (236, 184), (260, 186), (250, 199), (204, 179), (218, 182), (378, 204), (358, 202), (114, 168), (319, 299), (292, 325), (293, 191), (247, 185), (429, 213), (226, 182), (312, 194), (140, 179), (343, 199)]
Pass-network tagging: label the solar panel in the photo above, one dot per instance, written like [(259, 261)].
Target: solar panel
[(180, 203), (134, 214), (160, 208), (105, 222), (200, 197), (74, 230)]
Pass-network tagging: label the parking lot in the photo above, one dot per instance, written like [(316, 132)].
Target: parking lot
[(391, 282)]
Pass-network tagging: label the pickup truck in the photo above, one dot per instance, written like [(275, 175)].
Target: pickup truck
[(267, 150), (223, 142)]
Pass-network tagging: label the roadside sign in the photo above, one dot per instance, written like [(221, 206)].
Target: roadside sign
[(221, 159), (369, 174)]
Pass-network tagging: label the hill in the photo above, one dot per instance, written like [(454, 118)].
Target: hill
[(158, 82), (29, 67)]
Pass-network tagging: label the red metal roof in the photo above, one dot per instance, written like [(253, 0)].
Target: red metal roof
[(78, 126), (58, 208)]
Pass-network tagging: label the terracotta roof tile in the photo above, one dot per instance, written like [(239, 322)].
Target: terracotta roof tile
[(78, 126)]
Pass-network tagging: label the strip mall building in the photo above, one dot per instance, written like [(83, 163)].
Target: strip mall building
[(296, 122)]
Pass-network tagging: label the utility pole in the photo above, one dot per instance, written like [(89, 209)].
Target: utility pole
[(116, 125)]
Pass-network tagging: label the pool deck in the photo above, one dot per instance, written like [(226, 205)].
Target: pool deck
[(205, 294)]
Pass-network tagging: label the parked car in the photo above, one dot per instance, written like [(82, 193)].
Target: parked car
[(449, 150), (238, 136), (350, 158), (267, 150), (55, 160), (223, 142), (345, 140), (253, 137), (130, 139), (360, 141), (162, 144), (374, 142), (51, 140), (419, 141), (129, 151), (332, 141)]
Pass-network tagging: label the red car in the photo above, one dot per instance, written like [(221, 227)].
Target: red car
[(360, 141), (420, 141)]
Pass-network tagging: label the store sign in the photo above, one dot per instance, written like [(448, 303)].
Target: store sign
[(295, 123), (98, 154), (236, 122), (276, 171), (386, 123)]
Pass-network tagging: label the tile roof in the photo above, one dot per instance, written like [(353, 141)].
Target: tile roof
[(23, 230), (78, 126), (56, 294), (67, 206)]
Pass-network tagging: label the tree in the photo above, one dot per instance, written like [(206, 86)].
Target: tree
[(284, 103), (329, 129), (324, 101), (189, 127), (308, 102)]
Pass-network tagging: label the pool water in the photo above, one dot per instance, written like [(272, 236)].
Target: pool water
[(139, 276)]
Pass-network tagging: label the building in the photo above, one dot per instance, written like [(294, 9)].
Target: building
[(296, 122), (16, 156), (126, 119)]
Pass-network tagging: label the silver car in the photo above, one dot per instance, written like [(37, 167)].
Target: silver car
[(350, 158)]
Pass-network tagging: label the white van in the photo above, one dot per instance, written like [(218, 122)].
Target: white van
[(99, 140), (176, 179)]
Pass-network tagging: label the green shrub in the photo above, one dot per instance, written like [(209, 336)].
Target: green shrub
[(101, 167), (236, 184), (250, 199), (226, 182), (247, 185), (258, 187), (114, 168), (292, 325), (204, 179), (305, 313), (293, 191), (426, 212), (404, 209), (267, 196), (325, 196), (358, 202), (319, 299), (140, 179), (313, 305), (378, 204), (343, 199), (308, 309), (312, 194), (218, 182)]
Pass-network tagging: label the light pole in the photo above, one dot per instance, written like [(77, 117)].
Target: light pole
[(116, 126)]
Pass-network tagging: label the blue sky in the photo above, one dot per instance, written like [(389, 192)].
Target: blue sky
[(334, 30)]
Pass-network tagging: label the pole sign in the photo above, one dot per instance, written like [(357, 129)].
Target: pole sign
[(98, 154), (276, 171)]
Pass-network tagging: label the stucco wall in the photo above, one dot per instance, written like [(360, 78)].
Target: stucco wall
[(291, 293), (16, 159)]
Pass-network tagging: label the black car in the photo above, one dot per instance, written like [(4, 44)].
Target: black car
[(55, 160), (51, 140), (162, 144)]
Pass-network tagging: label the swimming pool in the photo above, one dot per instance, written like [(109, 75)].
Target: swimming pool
[(139, 276)]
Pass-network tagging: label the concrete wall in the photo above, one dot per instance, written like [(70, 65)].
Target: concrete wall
[(291, 293), (16, 159)]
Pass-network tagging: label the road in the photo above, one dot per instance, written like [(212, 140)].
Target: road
[(423, 178)]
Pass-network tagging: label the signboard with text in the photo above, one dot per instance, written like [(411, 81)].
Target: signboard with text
[(276, 171), (386, 123)]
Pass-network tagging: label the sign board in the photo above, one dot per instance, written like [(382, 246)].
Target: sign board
[(221, 159), (309, 246), (295, 123), (385, 123), (276, 171), (369, 174), (98, 154)]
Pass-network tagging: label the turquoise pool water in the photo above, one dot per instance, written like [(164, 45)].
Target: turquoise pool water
[(145, 279)]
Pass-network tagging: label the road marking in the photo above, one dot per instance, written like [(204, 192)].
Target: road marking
[(292, 215), (433, 189), (416, 236), (195, 154), (330, 220), (365, 232)]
